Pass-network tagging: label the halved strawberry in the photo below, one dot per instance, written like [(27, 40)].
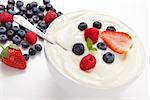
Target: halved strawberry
[(119, 42)]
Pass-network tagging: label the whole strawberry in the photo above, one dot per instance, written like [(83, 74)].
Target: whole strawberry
[(12, 56), (5, 17), (49, 17)]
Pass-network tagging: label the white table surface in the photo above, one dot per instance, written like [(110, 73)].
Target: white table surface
[(36, 81)]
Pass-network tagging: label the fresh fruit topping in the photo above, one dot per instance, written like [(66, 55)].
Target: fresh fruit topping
[(8, 25), (12, 56), (16, 28), (82, 26), (23, 9), (119, 42), (34, 4), (3, 38), (2, 7), (2, 30), (92, 33), (46, 1), (38, 47), (19, 4), (49, 17), (6, 17), (42, 8), (25, 44), (31, 37), (11, 2), (16, 40), (90, 45), (78, 49), (110, 28), (32, 51), (108, 57), (97, 24), (26, 57), (59, 14), (21, 33), (10, 34), (88, 62), (12, 12), (49, 7), (35, 19), (9, 6), (102, 46), (42, 25), (28, 6), (35, 10), (29, 13), (40, 15)]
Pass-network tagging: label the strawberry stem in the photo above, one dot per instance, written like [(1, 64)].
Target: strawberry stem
[(2, 46)]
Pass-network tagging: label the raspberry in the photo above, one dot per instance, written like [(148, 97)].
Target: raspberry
[(49, 17), (5, 17), (31, 37), (91, 33), (88, 62)]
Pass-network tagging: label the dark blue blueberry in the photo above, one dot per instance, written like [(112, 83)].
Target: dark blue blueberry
[(42, 8), (53, 9), (9, 6), (8, 25), (82, 26), (34, 4), (16, 28), (11, 2), (102, 46), (35, 19), (20, 13), (3, 38), (49, 6), (22, 27), (10, 34), (38, 47), (19, 4), (46, 1), (29, 13), (78, 49), (32, 51), (35, 10), (3, 30), (59, 13), (28, 6), (108, 57), (97, 24), (110, 28), (2, 7), (26, 56), (42, 24), (40, 15), (16, 40), (25, 44), (23, 9), (21, 33), (12, 11)]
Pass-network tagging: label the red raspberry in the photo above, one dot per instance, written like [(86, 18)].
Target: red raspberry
[(31, 37), (49, 17), (92, 33), (88, 62), (6, 17)]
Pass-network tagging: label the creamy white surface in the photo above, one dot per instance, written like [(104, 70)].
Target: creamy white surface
[(65, 31)]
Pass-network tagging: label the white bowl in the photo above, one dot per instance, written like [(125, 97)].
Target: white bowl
[(69, 83)]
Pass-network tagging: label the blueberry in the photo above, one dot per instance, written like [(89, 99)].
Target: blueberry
[(20, 13), (38, 47), (8, 25), (29, 13), (34, 4), (9, 6), (97, 24), (108, 57), (40, 15), (82, 26), (32, 51), (10, 34), (102, 46), (19, 4), (31, 21), (53, 9), (26, 56), (49, 6), (16, 28), (78, 48), (12, 11), (25, 44), (42, 24), (16, 40), (59, 13), (46, 1), (22, 27), (42, 8), (28, 6), (2, 30), (2, 7), (23, 9), (21, 33), (35, 19), (110, 28), (3, 38), (35, 10), (11, 2)]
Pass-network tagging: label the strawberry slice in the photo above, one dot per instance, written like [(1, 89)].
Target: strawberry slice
[(119, 42)]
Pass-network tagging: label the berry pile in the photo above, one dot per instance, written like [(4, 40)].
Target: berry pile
[(38, 15)]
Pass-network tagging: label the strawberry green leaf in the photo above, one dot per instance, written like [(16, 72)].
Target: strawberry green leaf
[(4, 53), (89, 43), (0, 56), (93, 49), (13, 46)]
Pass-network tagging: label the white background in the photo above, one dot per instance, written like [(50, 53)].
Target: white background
[(36, 81)]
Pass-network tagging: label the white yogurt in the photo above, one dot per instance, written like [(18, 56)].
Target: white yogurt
[(64, 30)]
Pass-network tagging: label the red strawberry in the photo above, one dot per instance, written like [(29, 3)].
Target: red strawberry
[(88, 62), (5, 17), (31, 37), (119, 42), (92, 33), (49, 17), (12, 56)]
